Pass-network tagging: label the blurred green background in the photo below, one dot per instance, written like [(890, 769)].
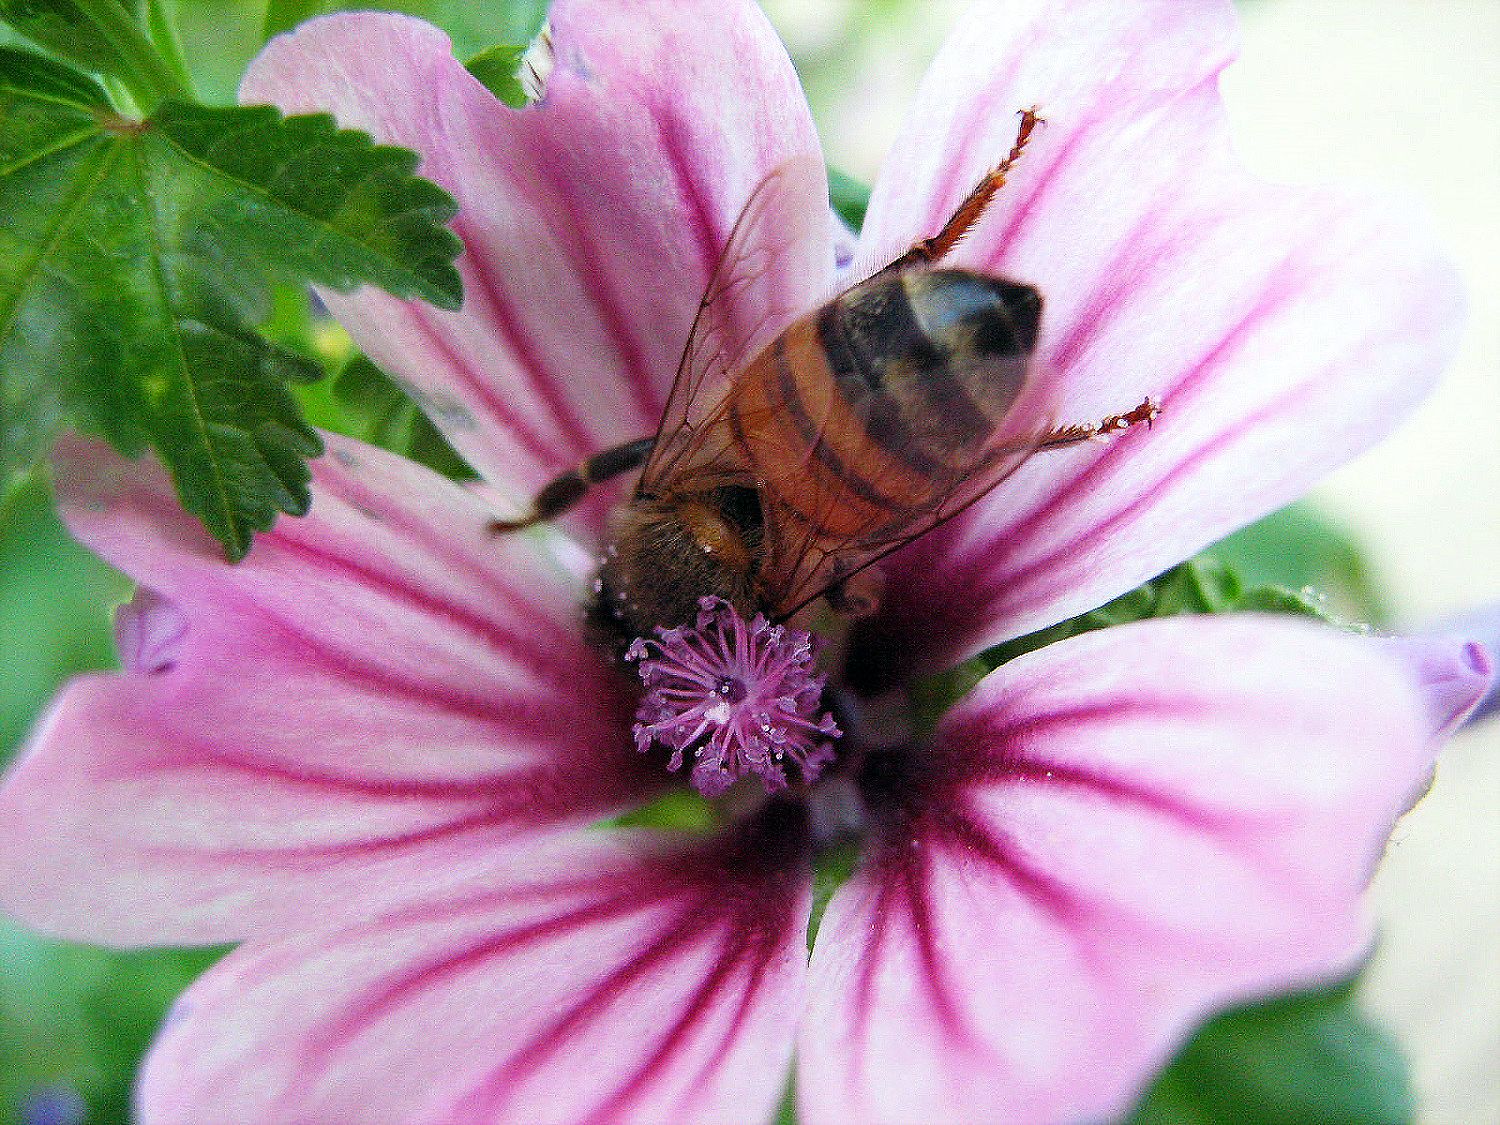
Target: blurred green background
[(1385, 80)]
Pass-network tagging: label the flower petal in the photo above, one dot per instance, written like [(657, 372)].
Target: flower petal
[(601, 979), (376, 686), (1456, 676), (1281, 330), (592, 220), (1116, 835)]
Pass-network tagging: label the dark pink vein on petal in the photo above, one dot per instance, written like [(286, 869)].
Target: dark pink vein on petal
[(915, 871), (602, 886), (1095, 118), (980, 568), (694, 1011), (707, 899), (535, 660), (702, 223), (481, 385), (1093, 922), (1036, 771), (708, 240), (761, 964), (904, 871), (516, 647), (485, 1099), (956, 826), (197, 756), (361, 1012), (555, 783), (540, 793), (985, 754), (540, 380), (877, 935), (531, 798), (988, 579), (748, 912), (751, 923), (967, 128), (907, 868), (512, 602), (1182, 468), (505, 705), (1016, 216), (1140, 257), (613, 308), (297, 857), (1266, 303)]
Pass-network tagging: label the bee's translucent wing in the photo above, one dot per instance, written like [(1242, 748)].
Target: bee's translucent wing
[(881, 415), (776, 263), (827, 525)]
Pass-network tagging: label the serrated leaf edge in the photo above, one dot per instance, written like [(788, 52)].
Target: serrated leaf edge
[(238, 543), (438, 213)]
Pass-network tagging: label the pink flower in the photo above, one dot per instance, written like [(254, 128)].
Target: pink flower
[(373, 751)]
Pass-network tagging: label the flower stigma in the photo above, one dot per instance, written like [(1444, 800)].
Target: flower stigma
[(743, 697)]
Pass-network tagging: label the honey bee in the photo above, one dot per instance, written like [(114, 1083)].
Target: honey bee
[(860, 426)]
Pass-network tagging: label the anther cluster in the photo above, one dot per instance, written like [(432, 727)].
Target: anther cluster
[(736, 697)]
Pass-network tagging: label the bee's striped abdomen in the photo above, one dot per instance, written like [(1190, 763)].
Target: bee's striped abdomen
[(862, 414)]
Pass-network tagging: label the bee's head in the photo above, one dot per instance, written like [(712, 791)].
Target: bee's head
[(669, 553)]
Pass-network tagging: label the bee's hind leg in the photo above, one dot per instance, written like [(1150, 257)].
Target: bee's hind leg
[(932, 250), (561, 494)]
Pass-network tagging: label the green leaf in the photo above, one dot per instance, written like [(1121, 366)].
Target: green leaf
[(475, 26), (833, 868), (850, 198), (135, 255), (62, 27), (679, 810), (1309, 1057), (101, 36), (314, 202), (76, 1018), (161, 29), (1201, 585), (1198, 586), (55, 606), (786, 1112), (1299, 548), (497, 69), (283, 15), (375, 409), (25, 73), (1278, 599)]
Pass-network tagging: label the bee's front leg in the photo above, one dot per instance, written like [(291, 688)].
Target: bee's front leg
[(561, 494), (930, 251)]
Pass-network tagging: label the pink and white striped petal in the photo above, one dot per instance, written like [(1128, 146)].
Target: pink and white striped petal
[(1281, 330), (377, 691), (1111, 838), (592, 220), (608, 978)]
